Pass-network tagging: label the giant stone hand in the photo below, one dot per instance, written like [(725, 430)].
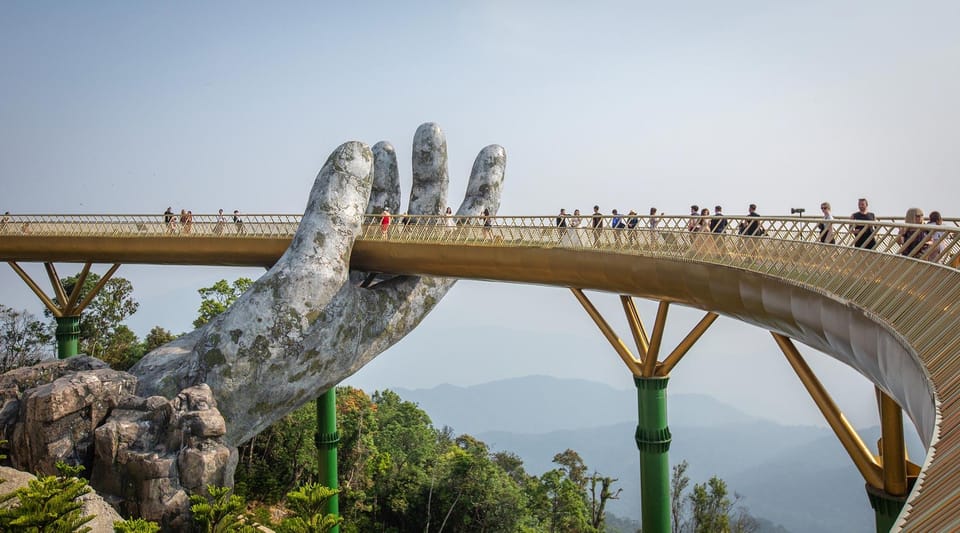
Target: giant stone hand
[(306, 325)]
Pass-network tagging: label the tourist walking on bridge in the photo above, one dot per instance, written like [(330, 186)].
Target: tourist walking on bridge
[(913, 241), (694, 221), (384, 222), (936, 237), (751, 227), (596, 221), (826, 227), (221, 222), (864, 233), (237, 220), (169, 220), (718, 223)]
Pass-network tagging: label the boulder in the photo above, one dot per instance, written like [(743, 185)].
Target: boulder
[(152, 453), (144, 455)]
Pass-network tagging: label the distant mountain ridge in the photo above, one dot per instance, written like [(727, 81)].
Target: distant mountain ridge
[(538, 404), (795, 476)]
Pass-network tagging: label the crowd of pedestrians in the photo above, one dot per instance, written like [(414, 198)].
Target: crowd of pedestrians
[(918, 242), (183, 223)]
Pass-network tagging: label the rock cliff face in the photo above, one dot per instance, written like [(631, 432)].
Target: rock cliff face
[(144, 455)]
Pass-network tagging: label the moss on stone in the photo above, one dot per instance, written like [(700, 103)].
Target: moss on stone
[(213, 357)]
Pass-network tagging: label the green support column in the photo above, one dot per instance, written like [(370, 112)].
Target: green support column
[(653, 441), (326, 440), (68, 336), (886, 508)]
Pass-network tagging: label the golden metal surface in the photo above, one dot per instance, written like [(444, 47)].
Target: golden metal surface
[(894, 319), (893, 454), (96, 289), (671, 360), (653, 352), (615, 341), (81, 278), (640, 337), (47, 302), (57, 286), (864, 460)]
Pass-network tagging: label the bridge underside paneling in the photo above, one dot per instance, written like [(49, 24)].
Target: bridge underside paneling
[(834, 327)]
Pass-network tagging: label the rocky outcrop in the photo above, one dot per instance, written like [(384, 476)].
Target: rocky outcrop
[(144, 455), (58, 409), (152, 453)]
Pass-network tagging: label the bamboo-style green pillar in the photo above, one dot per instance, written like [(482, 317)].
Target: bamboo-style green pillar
[(886, 508), (653, 441), (68, 336), (326, 440)]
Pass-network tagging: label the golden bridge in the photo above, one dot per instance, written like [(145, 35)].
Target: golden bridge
[(891, 311)]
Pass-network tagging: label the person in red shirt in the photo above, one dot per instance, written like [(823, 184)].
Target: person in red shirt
[(384, 221)]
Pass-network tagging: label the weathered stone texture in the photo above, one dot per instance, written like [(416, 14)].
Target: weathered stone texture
[(144, 455)]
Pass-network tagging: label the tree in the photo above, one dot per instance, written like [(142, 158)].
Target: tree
[(571, 462), (215, 299), (123, 349), (220, 512), (309, 504), (105, 313), (710, 506), (598, 502), (137, 525), (678, 486), (47, 503), (157, 338), (24, 340)]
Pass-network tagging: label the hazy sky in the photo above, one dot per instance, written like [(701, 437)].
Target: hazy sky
[(130, 107)]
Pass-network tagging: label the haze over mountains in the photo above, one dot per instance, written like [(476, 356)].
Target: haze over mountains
[(796, 476)]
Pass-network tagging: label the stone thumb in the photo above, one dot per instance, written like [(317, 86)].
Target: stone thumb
[(334, 212)]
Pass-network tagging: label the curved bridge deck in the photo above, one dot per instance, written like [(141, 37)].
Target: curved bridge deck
[(892, 317)]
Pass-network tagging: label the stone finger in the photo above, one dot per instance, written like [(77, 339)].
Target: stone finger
[(486, 182), (385, 192), (428, 194)]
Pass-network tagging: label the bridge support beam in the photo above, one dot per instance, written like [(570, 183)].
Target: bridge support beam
[(888, 476), (68, 336), (66, 308), (886, 508), (650, 376), (653, 441), (326, 440)]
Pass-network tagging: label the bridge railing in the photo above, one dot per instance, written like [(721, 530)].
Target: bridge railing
[(253, 225), (670, 235)]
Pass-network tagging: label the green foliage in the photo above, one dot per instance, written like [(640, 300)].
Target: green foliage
[(309, 504), (398, 473), (215, 299), (280, 458), (136, 526), (220, 512), (678, 486), (710, 506), (48, 504), (156, 338), (24, 340), (122, 349)]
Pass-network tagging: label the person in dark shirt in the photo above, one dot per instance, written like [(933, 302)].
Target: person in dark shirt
[(864, 233), (718, 223), (562, 223), (596, 221), (751, 227)]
